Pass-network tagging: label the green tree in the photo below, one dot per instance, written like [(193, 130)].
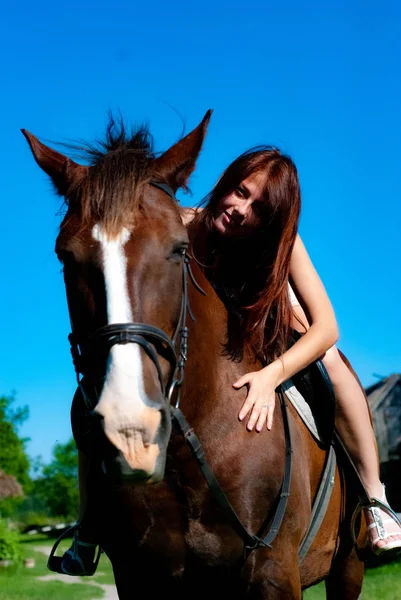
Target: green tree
[(58, 484), (13, 457)]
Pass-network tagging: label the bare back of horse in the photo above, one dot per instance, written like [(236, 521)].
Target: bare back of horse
[(172, 537)]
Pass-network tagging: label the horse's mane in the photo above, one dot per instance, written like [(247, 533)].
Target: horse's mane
[(117, 166)]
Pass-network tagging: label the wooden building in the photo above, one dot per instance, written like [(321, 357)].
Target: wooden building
[(385, 404)]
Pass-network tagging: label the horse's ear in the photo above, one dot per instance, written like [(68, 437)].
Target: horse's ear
[(178, 162), (62, 170)]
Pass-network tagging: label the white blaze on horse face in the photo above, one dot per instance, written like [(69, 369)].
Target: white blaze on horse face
[(130, 421), (115, 275)]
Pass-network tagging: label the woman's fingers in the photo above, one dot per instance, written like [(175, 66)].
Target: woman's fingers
[(270, 416), (243, 380), (263, 415), (246, 407), (260, 409), (260, 415)]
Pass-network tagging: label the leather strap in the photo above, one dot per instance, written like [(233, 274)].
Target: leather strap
[(285, 488), (166, 188), (251, 541), (363, 497), (192, 439), (320, 503)]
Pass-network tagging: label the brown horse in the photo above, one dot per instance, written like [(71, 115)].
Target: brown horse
[(123, 247)]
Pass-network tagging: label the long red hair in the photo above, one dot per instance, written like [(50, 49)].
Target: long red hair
[(252, 274)]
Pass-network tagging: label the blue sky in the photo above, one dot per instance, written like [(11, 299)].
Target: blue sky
[(319, 80)]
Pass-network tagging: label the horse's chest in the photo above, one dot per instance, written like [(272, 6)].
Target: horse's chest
[(214, 545)]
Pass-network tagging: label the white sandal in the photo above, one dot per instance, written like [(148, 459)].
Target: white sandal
[(378, 515)]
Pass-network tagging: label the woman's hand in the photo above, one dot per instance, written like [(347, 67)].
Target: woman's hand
[(261, 398)]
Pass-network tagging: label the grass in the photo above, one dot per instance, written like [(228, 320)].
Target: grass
[(21, 583), (382, 582)]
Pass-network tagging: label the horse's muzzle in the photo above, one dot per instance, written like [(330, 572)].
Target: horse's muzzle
[(128, 455), (118, 469)]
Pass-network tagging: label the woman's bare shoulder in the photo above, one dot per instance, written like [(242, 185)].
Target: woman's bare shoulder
[(188, 213)]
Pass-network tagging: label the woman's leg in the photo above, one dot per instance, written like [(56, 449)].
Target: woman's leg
[(355, 428), (354, 425), (353, 421)]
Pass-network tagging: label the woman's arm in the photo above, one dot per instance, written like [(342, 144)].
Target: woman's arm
[(322, 334), (323, 331)]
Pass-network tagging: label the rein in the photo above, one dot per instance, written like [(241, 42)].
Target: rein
[(155, 342)]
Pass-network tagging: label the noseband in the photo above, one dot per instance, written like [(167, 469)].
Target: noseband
[(153, 340)]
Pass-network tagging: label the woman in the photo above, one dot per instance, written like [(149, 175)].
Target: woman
[(246, 239)]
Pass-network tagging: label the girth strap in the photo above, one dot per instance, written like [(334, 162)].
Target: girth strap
[(251, 541), (320, 503)]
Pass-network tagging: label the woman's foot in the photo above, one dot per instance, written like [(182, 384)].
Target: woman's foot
[(384, 527), (80, 559)]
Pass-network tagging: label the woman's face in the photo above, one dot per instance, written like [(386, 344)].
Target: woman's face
[(239, 213)]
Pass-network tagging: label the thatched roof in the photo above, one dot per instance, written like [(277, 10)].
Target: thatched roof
[(9, 486)]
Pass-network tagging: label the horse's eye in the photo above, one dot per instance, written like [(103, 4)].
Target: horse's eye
[(178, 252)]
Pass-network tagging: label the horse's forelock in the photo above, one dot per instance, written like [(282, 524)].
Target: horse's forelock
[(118, 166)]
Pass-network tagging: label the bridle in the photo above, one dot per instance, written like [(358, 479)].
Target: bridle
[(153, 340)]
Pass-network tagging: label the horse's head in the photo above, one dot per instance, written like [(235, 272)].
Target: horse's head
[(122, 244)]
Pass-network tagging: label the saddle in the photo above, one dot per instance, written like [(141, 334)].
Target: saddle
[(311, 394)]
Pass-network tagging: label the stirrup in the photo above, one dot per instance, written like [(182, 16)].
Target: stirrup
[(380, 525), (54, 563), (376, 503)]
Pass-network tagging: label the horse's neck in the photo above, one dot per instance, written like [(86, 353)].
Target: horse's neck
[(210, 325), (209, 373)]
